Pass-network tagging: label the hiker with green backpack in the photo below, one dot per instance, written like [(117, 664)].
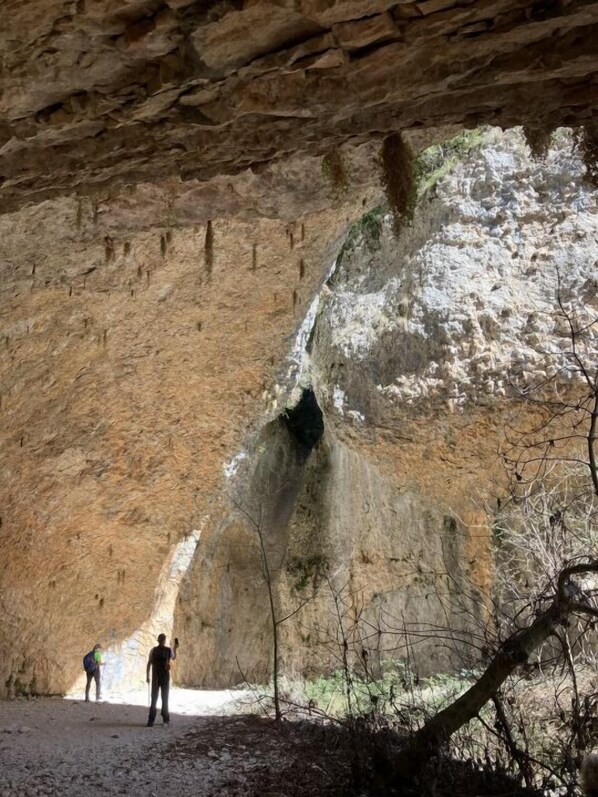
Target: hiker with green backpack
[(92, 662)]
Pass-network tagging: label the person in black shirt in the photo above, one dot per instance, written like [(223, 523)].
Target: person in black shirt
[(159, 664)]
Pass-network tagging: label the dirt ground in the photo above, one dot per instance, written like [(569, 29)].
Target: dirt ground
[(53, 746)]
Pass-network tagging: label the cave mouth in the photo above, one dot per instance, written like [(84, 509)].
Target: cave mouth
[(305, 420)]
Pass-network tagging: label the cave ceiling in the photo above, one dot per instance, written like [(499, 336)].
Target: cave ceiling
[(103, 93)]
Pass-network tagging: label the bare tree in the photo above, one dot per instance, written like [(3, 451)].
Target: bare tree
[(568, 600), (551, 550), (277, 618), (564, 394)]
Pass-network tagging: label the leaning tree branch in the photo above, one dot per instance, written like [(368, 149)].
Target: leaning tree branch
[(512, 653), (592, 435)]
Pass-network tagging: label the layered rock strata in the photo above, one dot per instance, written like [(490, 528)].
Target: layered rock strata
[(100, 94)]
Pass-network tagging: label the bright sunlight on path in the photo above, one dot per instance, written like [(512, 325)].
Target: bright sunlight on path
[(187, 702)]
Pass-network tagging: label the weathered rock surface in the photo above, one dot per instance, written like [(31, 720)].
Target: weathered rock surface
[(95, 95), (147, 373), (418, 348), (132, 367), (464, 303)]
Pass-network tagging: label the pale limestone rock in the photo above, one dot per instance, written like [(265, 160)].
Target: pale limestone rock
[(415, 346)]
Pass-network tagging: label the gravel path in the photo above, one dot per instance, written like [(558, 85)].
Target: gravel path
[(52, 746)]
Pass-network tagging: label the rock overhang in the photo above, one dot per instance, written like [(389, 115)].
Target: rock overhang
[(113, 94)]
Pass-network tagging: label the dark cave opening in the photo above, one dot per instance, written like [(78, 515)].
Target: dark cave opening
[(305, 420)]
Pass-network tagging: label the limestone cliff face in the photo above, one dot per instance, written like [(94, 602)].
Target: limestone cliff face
[(169, 384), (462, 305), (419, 347), (134, 359)]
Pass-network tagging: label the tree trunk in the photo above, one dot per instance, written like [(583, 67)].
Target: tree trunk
[(441, 726)]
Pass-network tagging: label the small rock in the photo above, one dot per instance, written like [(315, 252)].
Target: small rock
[(165, 293)]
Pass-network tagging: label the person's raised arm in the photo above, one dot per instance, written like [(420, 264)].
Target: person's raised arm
[(148, 668)]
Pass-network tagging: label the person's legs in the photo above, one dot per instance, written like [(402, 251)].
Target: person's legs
[(165, 690), (153, 710), (96, 677), (88, 684)]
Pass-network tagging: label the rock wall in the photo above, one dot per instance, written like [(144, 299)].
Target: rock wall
[(110, 93), (420, 349), (170, 388), (134, 359)]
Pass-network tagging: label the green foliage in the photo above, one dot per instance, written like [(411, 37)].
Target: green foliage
[(394, 691), (329, 693), (443, 688), (370, 225), (367, 229), (437, 161)]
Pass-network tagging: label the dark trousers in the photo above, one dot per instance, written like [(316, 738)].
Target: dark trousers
[(157, 687), (93, 676)]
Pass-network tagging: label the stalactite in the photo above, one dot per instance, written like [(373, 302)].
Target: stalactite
[(209, 248), (397, 165), (538, 140)]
